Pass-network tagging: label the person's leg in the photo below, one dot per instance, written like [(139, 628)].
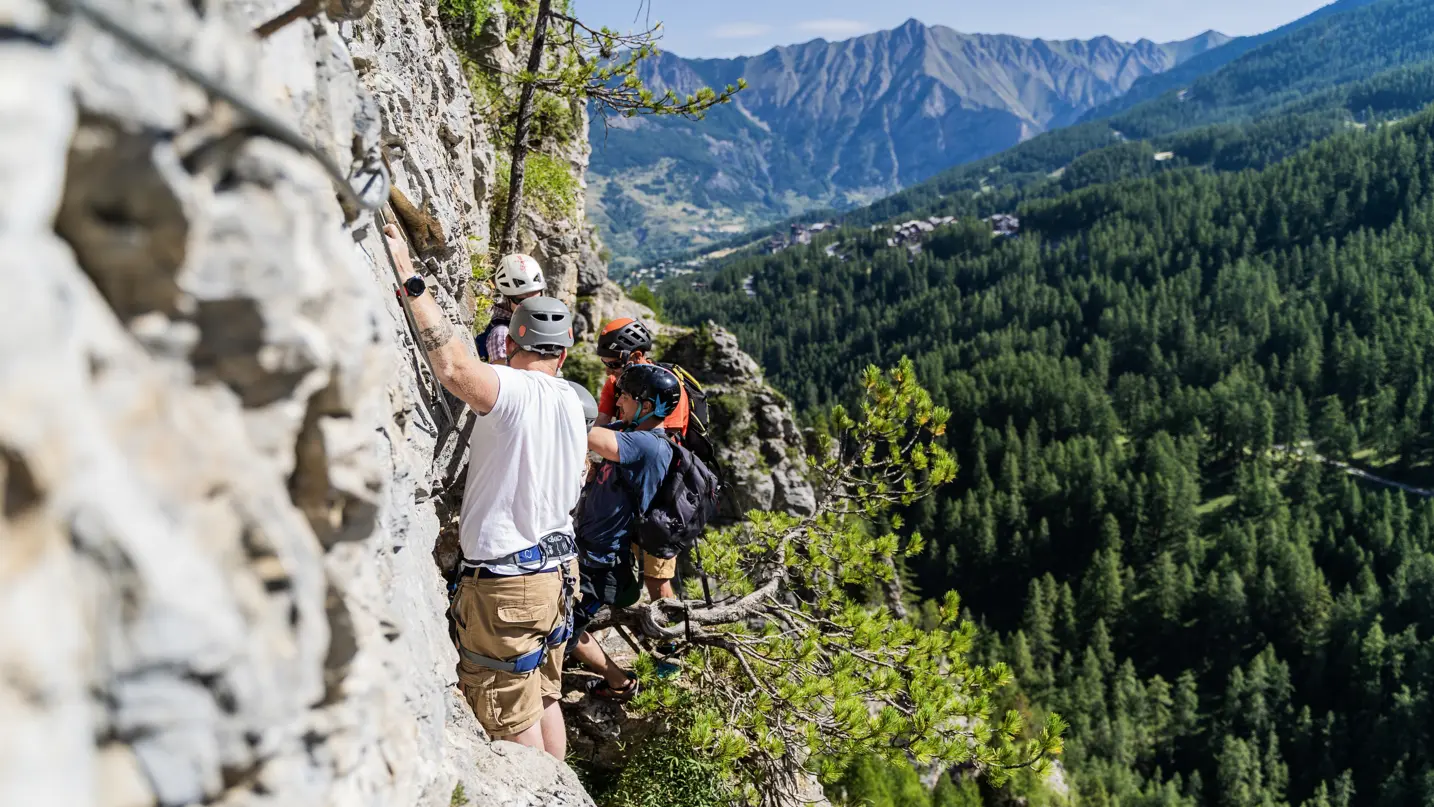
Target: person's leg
[(657, 574), (597, 587), (533, 736), (659, 589), (555, 734), (508, 705), (591, 654)]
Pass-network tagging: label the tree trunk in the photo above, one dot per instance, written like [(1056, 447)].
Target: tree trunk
[(519, 154), (895, 596)]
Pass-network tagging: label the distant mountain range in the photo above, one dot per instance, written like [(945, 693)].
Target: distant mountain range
[(838, 124), (1355, 63), (1211, 60)]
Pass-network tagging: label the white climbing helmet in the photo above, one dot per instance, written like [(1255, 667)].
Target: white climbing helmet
[(518, 275)]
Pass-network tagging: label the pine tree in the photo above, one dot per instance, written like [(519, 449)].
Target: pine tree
[(1333, 432), (1167, 594), (1037, 623), (570, 62), (1103, 588), (833, 680), (961, 793)]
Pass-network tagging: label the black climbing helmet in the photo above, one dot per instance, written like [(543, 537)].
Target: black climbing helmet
[(650, 382), (623, 336), (542, 325)]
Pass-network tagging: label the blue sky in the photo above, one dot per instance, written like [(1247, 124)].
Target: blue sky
[(733, 27)]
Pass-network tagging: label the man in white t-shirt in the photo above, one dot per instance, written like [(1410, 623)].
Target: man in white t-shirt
[(513, 607)]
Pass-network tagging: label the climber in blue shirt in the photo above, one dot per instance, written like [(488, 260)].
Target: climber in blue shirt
[(605, 520), (636, 455)]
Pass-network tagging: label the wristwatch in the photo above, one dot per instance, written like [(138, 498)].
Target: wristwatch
[(415, 286)]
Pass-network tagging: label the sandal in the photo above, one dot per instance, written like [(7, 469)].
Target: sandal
[(599, 688)]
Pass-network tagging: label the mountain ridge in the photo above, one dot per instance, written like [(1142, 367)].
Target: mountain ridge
[(1203, 64), (840, 123), (1351, 63)]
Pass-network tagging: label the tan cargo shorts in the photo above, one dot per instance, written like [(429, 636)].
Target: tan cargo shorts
[(653, 566), (503, 618)]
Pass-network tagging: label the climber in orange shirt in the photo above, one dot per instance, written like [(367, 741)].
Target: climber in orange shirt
[(624, 342)]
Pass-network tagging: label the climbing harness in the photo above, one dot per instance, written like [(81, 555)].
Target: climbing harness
[(559, 546), (408, 315), (555, 546), (358, 189)]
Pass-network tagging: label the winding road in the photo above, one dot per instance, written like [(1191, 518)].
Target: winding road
[(1358, 473)]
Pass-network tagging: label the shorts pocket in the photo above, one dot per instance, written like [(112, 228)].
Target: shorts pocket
[(517, 614), (506, 599)]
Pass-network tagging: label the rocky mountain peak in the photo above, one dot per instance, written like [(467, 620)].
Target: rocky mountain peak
[(839, 123)]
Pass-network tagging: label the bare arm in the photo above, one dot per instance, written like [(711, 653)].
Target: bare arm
[(603, 419), (463, 375), (604, 442)]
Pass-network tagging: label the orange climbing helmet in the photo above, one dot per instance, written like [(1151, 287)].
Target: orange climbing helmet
[(621, 337)]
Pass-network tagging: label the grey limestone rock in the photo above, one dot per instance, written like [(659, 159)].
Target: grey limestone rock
[(759, 445), (221, 463)]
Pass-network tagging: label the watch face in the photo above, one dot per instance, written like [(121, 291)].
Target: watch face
[(415, 286)]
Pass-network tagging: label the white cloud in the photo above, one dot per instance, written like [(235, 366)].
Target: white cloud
[(834, 27), (741, 30)]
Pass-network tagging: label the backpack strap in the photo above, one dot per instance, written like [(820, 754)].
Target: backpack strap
[(687, 378), (482, 339), (483, 343), (638, 512)]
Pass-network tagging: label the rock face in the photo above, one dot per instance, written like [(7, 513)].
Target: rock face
[(220, 461), (604, 303), (758, 442)]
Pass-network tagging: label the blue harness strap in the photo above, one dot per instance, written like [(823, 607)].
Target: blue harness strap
[(535, 557), (522, 665)]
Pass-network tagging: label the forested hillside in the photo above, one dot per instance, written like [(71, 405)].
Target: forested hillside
[(1149, 386)]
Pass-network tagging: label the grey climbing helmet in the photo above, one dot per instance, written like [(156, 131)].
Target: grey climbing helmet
[(589, 403), (542, 325)]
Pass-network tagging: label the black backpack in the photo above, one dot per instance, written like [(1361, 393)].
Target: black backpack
[(697, 440), (684, 503)]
